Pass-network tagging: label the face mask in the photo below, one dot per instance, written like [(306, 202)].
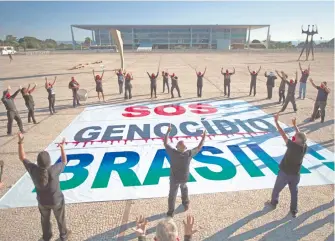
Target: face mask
[(8, 95), (291, 81), (293, 138)]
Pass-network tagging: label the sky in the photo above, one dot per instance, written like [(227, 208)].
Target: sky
[(53, 19)]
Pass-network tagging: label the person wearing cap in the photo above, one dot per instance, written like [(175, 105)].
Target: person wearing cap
[(291, 93), (270, 83), (98, 84), (200, 81), (253, 80), (321, 100), (128, 86), (49, 195), (303, 81), (29, 101), (74, 86), (180, 159), (153, 83), (174, 85), (227, 81), (282, 86), (165, 75), (289, 168), (51, 94), (120, 79), (12, 114)]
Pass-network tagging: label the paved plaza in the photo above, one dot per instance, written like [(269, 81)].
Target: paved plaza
[(219, 216)]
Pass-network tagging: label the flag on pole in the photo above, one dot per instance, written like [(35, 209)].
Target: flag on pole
[(116, 35)]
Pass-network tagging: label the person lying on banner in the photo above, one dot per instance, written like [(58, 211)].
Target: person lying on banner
[(166, 230), (289, 168)]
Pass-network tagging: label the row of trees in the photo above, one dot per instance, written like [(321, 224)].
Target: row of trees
[(34, 43)]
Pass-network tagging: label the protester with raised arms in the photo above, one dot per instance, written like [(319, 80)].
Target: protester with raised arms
[(227, 81), (98, 84), (49, 195), (303, 81), (174, 85), (180, 159), (153, 83), (282, 86), (166, 230), (120, 79), (291, 93), (290, 166), (29, 101), (51, 95), (253, 80), (321, 100), (128, 86), (165, 75), (12, 113), (200, 81)]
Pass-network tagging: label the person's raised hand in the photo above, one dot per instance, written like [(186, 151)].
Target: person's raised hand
[(276, 116), (20, 87), (188, 226), (20, 137), (35, 84), (204, 133), (294, 121), (311, 80), (169, 129), (141, 224), (8, 87), (61, 145)]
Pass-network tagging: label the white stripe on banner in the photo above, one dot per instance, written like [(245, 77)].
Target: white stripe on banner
[(117, 153)]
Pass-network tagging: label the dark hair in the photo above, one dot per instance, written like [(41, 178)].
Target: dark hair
[(43, 162), (23, 90)]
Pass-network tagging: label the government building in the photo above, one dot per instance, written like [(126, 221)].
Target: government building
[(219, 37)]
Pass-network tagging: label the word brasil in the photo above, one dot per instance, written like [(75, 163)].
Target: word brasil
[(128, 177)]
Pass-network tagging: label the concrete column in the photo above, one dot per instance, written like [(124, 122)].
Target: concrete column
[(133, 38), (249, 30), (191, 44), (99, 37), (210, 39), (92, 37), (109, 38), (73, 41), (268, 38)]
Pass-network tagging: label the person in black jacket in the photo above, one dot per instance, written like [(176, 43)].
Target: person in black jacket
[(166, 230), (174, 85), (12, 113), (165, 76), (270, 83), (282, 86), (29, 101), (291, 93), (74, 86), (321, 100), (153, 83)]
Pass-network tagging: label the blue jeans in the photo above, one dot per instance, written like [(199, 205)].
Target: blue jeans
[(302, 90), (292, 181)]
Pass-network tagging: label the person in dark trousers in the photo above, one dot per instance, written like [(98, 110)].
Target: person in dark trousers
[(270, 83), (98, 85), (227, 81), (200, 81), (153, 83), (166, 81), (51, 94), (174, 85), (49, 195), (2, 164), (74, 86), (321, 100), (128, 86), (180, 159), (12, 113), (289, 173), (282, 86), (29, 101), (253, 80), (166, 230), (10, 58), (303, 81), (120, 79), (291, 93)]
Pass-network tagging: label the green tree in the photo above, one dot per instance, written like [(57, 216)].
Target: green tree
[(87, 41)]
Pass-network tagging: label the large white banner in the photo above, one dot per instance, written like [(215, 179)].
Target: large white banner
[(117, 152)]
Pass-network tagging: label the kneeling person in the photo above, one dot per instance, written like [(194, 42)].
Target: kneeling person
[(180, 159)]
